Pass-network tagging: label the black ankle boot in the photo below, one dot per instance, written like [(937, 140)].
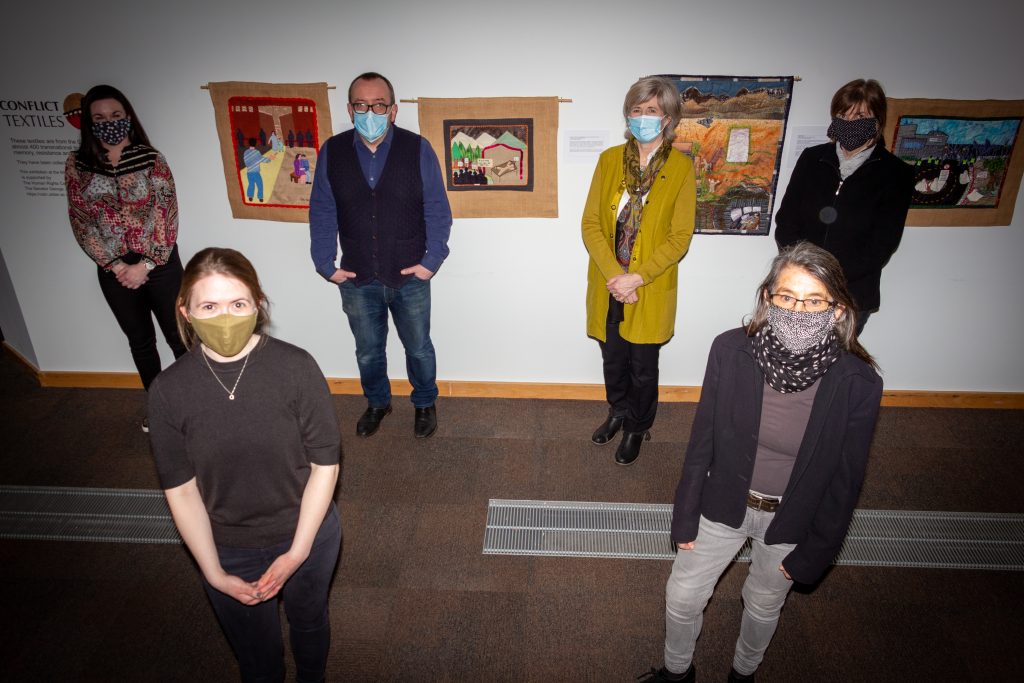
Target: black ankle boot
[(737, 677), (629, 447), (608, 429)]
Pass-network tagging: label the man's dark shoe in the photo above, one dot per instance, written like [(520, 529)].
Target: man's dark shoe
[(629, 447), (663, 675), (426, 422), (737, 677), (608, 429), (369, 423)]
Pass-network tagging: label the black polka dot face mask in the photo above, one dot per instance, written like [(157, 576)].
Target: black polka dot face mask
[(853, 135), (112, 132)]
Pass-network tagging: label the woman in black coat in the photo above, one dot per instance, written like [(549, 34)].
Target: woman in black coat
[(777, 455), (850, 196)]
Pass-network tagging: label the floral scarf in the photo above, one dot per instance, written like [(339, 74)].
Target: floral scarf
[(637, 182)]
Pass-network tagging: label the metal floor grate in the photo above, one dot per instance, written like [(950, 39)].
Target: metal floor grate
[(877, 538), (45, 513)]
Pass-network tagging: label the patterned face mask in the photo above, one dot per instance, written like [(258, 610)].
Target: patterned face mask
[(800, 330), (112, 132), (852, 135)]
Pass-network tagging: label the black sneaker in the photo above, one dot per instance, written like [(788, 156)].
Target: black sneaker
[(145, 425)]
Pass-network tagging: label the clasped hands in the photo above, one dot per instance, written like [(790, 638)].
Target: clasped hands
[(623, 287), (131, 276), (266, 587)]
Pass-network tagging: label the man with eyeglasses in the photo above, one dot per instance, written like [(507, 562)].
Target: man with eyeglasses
[(378, 192)]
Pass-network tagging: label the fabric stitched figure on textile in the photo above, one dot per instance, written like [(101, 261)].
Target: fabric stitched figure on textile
[(850, 196), (637, 225), (776, 456), (252, 159), (379, 193), (124, 213), (246, 444)]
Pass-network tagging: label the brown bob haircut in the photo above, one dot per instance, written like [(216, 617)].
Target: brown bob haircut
[(218, 261), (870, 93)]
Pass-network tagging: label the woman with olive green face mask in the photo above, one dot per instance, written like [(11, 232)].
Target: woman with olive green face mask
[(246, 444)]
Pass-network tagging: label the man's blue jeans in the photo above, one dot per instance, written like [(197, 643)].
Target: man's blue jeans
[(367, 310)]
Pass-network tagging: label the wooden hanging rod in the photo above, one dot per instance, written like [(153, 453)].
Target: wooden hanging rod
[(416, 101), (207, 87)]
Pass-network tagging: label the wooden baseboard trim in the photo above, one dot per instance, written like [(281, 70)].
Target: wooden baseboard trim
[(90, 380), (538, 390)]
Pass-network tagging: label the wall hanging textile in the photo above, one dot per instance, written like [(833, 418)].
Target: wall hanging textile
[(966, 155), (269, 136), (498, 154), (733, 128)]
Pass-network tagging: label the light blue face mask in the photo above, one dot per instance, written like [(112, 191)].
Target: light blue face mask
[(371, 126), (645, 128)]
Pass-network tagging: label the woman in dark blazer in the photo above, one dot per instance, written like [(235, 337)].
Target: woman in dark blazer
[(777, 454), (850, 196)]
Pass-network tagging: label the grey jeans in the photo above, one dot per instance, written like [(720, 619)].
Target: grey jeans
[(694, 575)]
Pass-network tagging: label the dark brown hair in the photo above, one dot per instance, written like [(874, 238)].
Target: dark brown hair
[(218, 261), (823, 267), (371, 76), (91, 151), (857, 91)]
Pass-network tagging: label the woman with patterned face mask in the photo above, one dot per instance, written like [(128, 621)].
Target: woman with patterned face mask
[(246, 443), (637, 225), (124, 214), (850, 196), (796, 378)]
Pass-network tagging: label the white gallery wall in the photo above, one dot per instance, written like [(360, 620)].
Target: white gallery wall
[(508, 305)]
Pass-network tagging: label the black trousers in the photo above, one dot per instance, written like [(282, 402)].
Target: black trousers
[(135, 309), (630, 375), (254, 631)]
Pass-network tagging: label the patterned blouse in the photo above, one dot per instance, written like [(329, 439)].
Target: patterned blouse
[(128, 209)]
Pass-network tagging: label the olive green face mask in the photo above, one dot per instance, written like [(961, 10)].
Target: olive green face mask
[(225, 334)]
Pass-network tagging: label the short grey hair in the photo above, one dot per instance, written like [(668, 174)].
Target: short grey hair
[(668, 99)]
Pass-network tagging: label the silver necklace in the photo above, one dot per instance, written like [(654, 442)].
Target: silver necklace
[(231, 391)]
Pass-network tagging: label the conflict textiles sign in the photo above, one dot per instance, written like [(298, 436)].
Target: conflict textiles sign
[(269, 136)]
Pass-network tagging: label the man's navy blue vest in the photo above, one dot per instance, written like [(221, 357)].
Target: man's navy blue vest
[(381, 230)]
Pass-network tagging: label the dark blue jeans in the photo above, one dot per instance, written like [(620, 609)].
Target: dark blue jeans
[(367, 310), (254, 631)]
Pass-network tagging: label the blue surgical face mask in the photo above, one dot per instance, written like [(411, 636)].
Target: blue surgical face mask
[(645, 128), (371, 126)]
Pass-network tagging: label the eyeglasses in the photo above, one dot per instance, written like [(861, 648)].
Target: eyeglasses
[(810, 305), (363, 107)]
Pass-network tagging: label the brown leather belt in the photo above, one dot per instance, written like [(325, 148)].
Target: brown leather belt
[(765, 503)]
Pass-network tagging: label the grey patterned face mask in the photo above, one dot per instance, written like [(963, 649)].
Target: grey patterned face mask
[(800, 330)]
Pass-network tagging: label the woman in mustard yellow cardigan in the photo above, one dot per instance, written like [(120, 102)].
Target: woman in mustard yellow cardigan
[(637, 225)]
